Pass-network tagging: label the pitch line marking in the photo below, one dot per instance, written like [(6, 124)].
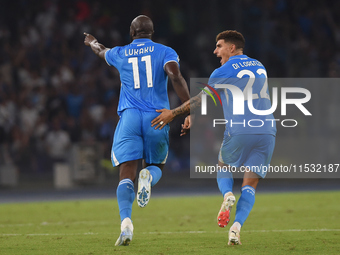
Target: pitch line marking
[(45, 223), (180, 232), (51, 234), (247, 231)]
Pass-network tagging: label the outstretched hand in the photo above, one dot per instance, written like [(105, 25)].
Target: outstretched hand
[(89, 39), (186, 126), (163, 119)]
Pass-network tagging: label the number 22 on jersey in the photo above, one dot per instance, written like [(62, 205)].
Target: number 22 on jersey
[(248, 88)]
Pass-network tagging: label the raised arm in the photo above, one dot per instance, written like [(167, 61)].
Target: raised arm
[(97, 48)]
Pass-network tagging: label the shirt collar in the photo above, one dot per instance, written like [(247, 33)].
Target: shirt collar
[(141, 40), (238, 56)]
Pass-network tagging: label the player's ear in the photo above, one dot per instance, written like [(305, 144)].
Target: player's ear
[(132, 33)]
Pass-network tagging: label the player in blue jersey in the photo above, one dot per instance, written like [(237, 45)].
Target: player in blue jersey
[(243, 145), (144, 67)]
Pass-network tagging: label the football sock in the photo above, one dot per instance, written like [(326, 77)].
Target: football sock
[(245, 204), (156, 174), (225, 182), (236, 225), (126, 223), (125, 196)]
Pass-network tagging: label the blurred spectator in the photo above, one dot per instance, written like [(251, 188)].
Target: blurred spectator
[(57, 142), (28, 115), (48, 78), (55, 103), (73, 129), (88, 128), (74, 101), (7, 117), (21, 150)]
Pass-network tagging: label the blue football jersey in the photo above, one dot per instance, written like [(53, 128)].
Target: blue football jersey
[(143, 79), (248, 75)]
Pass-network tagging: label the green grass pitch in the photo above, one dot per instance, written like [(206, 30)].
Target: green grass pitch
[(281, 223)]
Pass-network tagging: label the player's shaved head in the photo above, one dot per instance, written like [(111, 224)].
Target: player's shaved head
[(141, 27)]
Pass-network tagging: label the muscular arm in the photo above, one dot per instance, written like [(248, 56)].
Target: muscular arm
[(178, 82), (181, 89), (167, 116), (98, 48), (191, 104)]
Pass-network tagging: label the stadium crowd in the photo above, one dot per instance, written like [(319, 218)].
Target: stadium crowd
[(55, 93)]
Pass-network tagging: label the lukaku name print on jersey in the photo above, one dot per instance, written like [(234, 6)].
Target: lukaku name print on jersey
[(133, 52)]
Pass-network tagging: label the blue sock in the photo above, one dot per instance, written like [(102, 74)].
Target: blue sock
[(245, 204), (225, 182), (125, 196), (156, 174)]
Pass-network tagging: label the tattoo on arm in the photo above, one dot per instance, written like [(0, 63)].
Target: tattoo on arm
[(191, 104)]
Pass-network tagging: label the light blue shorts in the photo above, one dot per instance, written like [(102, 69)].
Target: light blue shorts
[(252, 151), (134, 138)]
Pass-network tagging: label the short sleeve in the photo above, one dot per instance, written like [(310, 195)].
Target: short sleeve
[(170, 56), (215, 74), (111, 56), (219, 76)]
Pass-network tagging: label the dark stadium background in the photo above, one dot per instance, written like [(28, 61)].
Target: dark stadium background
[(48, 78)]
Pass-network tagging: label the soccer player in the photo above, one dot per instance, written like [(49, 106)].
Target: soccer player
[(144, 68), (242, 145)]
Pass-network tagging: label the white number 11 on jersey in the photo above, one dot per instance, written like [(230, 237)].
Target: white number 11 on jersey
[(135, 69)]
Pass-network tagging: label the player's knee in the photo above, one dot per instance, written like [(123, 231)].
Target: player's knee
[(128, 170)]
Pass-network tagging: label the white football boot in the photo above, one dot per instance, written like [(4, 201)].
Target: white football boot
[(126, 234), (234, 235), (223, 216), (144, 187)]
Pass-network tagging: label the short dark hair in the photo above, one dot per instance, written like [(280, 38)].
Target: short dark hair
[(232, 36)]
